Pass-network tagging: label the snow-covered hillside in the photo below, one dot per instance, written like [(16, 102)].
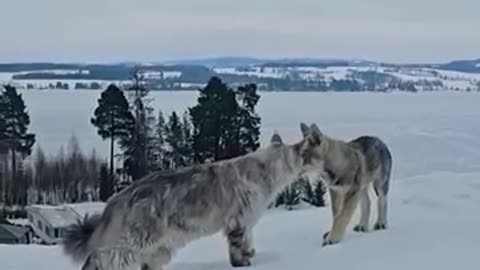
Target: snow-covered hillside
[(434, 224), (345, 76), (383, 77)]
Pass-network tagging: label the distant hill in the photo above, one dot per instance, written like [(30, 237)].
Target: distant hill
[(219, 62), (470, 66), (282, 74)]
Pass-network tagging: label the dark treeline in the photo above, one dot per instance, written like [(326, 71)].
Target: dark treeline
[(223, 124)]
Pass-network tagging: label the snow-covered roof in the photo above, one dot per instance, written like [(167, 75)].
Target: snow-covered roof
[(90, 208), (12, 231), (66, 215), (19, 221)]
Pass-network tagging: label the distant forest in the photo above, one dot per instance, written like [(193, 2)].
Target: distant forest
[(196, 73)]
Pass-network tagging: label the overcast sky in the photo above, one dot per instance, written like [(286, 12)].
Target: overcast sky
[(155, 30)]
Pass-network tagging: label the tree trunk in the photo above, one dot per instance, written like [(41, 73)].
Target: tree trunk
[(13, 181), (4, 176), (112, 145)]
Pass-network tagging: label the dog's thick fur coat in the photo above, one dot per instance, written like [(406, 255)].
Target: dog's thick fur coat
[(348, 169), (145, 224)]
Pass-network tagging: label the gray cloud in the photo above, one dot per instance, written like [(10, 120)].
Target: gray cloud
[(113, 30)]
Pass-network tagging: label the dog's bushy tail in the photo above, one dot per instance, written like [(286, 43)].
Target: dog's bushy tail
[(76, 237)]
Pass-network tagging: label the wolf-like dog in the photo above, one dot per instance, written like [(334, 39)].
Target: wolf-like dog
[(348, 169), (144, 224)]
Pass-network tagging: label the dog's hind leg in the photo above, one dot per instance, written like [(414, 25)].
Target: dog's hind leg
[(112, 259), (381, 189), (341, 221), (364, 211)]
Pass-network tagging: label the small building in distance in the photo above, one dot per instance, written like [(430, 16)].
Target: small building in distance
[(49, 222), (13, 234)]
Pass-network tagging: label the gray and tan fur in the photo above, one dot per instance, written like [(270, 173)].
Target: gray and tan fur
[(348, 169), (145, 224)]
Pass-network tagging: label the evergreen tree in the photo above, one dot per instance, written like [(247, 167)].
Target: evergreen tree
[(14, 123), (319, 192), (177, 151), (224, 121), (139, 145), (313, 194), (249, 122), (157, 152), (187, 138), (113, 119), (291, 196), (213, 120)]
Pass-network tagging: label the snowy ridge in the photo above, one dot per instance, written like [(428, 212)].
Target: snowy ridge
[(421, 76), (356, 76)]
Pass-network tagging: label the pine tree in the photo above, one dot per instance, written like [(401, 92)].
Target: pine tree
[(213, 120), (249, 122), (320, 190), (291, 196), (313, 194), (14, 135), (113, 119), (175, 140), (157, 151), (139, 145), (187, 138), (224, 121)]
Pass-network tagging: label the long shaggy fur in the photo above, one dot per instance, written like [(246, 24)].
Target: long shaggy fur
[(77, 236), (144, 224)]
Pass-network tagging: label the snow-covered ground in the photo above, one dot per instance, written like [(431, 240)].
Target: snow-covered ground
[(434, 198), (428, 131), (434, 224)]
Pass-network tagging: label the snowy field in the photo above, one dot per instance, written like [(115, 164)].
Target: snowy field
[(434, 198), (434, 224), (428, 132)]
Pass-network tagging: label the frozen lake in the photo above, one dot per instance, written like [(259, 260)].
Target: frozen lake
[(434, 138), (436, 131)]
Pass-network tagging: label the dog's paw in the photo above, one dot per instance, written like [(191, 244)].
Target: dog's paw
[(360, 228), (328, 240), (241, 263), (249, 253), (380, 226)]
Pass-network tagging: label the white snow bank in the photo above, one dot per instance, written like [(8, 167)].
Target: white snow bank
[(433, 225)]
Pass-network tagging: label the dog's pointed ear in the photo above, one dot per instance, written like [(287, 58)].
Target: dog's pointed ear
[(315, 130), (276, 139), (305, 129), (315, 133)]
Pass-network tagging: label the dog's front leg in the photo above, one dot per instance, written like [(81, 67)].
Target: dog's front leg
[(240, 246), (336, 201), (343, 217)]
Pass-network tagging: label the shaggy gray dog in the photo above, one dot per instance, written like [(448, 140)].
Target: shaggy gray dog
[(144, 224)]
